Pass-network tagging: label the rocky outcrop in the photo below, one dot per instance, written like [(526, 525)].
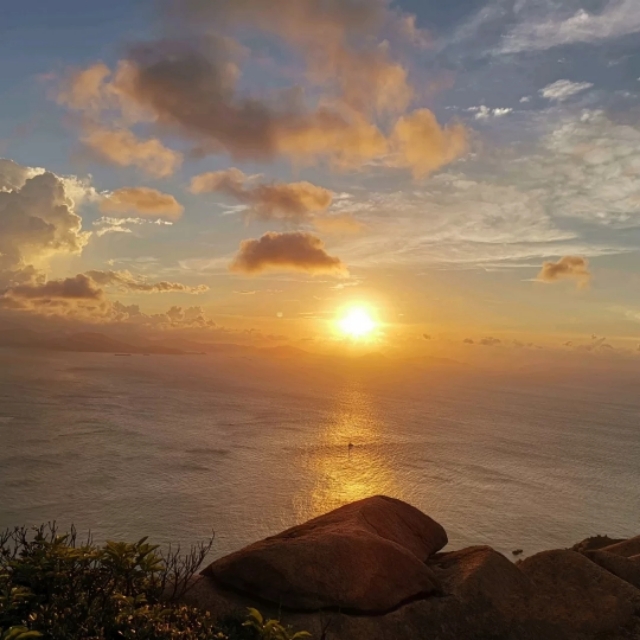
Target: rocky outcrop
[(594, 543), (626, 548), (577, 595), (628, 569), (366, 557), (374, 570)]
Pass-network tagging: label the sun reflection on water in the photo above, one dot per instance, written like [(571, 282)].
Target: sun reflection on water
[(340, 473)]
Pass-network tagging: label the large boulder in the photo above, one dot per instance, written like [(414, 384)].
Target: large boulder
[(365, 557), (577, 595), (626, 548), (627, 569), (481, 574), (481, 594)]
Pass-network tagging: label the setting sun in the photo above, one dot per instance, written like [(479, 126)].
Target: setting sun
[(357, 323)]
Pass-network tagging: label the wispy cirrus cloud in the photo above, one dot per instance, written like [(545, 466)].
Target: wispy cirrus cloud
[(572, 193), (109, 224), (562, 90), (618, 18), (482, 112)]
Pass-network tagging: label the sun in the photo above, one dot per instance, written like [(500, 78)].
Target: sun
[(357, 323)]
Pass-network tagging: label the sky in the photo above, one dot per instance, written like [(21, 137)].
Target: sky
[(248, 171)]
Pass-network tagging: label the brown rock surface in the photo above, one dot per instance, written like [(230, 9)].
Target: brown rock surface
[(577, 595), (627, 569), (372, 570), (366, 557), (627, 548), (480, 573), (595, 542), (482, 593)]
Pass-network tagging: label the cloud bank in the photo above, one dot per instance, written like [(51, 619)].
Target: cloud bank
[(189, 84)]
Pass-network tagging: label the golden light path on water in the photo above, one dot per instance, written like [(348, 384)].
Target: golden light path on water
[(342, 473)]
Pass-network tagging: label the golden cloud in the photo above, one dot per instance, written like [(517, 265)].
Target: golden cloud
[(142, 201), (423, 146), (295, 251), (37, 216), (294, 201), (189, 84), (123, 148), (568, 267), (338, 224)]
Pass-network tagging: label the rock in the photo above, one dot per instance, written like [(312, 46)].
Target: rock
[(448, 617), (481, 574), (366, 557), (373, 570), (626, 548), (577, 595), (594, 543), (627, 569)]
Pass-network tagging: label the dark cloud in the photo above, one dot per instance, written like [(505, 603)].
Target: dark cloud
[(468, 341), (194, 90), (523, 345), (490, 342), (80, 287), (126, 281), (597, 344), (294, 251), (294, 202), (189, 83), (72, 297), (568, 267), (426, 336), (340, 41)]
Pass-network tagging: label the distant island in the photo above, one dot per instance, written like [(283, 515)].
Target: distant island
[(87, 342), (95, 342)]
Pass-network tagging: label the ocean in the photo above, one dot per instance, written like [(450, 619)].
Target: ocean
[(175, 447)]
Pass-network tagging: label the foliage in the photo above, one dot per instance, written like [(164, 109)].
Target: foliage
[(271, 629), (56, 588)]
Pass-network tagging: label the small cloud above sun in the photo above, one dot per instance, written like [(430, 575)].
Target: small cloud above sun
[(357, 323)]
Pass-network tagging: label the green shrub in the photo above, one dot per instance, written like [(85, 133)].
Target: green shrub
[(56, 588)]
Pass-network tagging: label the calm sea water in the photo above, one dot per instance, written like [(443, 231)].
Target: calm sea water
[(174, 447)]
